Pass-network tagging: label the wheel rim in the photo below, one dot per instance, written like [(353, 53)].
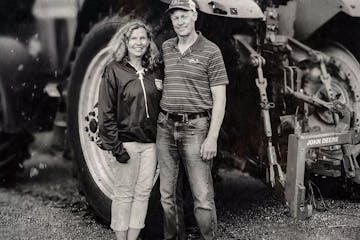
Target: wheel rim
[(343, 96), (322, 120), (96, 159)]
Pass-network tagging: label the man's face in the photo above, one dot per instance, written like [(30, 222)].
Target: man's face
[(183, 22)]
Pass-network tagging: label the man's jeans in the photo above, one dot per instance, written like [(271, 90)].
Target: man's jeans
[(133, 185), (181, 141)]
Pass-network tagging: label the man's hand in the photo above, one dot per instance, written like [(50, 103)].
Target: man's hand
[(208, 149)]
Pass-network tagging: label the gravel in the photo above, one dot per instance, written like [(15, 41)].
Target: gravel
[(44, 203), (251, 212)]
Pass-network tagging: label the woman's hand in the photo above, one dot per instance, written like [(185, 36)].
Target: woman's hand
[(122, 157)]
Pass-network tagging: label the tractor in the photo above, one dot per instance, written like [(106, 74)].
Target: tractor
[(293, 101)]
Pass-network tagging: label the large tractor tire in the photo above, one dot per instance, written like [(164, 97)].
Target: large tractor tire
[(344, 70), (94, 172), (14, 141), (349, 93)]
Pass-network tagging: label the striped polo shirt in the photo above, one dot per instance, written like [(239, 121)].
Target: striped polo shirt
[(189, 76)]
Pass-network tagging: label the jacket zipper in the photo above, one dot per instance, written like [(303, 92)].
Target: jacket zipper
[(140, 73)]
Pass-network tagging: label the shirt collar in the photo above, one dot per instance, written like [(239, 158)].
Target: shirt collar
[(197, 45)]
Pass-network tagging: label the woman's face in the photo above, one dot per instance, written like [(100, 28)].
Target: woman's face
[(138, 43)]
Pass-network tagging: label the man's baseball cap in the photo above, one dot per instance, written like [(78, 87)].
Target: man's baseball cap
[(187, 5)]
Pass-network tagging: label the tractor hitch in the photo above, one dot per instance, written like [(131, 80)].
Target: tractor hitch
[(298, 145)]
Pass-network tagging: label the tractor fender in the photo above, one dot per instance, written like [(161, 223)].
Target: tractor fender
[(229, 8), (311, 15), (350, 7), (15, 68)]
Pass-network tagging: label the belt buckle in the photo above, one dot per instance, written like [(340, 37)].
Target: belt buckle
[(184, 117)]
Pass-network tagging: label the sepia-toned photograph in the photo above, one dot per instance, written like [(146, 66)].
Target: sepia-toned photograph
[(180, 119)]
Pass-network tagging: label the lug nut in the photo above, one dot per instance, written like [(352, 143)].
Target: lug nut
[(86, 118), (93, 126), (86, 129)]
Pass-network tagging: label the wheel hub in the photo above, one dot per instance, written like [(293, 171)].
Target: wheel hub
[(341, 95)]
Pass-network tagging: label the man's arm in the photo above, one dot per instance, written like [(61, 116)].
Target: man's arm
[(208, 149)]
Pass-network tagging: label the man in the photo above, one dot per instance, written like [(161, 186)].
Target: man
[(194, 94)]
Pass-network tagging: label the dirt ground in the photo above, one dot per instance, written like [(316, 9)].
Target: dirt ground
[(44, 203)]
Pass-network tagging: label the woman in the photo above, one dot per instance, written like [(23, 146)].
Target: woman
[(128, 109)]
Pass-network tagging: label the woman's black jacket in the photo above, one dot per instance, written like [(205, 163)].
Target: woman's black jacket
[(122, 108)]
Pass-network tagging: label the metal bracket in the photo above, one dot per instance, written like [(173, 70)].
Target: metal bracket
[(274, 172), (326, 78), (297, 148), (294, 80)]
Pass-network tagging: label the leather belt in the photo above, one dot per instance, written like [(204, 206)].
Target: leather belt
[(184, 117)]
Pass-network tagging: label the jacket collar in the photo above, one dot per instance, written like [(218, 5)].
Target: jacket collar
[(125, 65)]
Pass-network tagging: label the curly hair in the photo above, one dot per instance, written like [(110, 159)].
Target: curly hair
[(118, 42)]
